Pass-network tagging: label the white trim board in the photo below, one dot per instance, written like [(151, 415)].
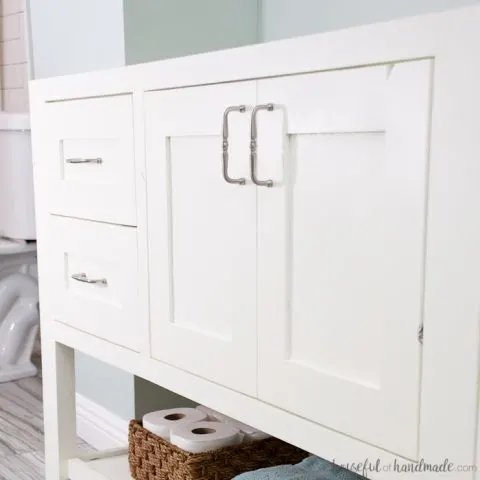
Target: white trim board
[(99, 427)]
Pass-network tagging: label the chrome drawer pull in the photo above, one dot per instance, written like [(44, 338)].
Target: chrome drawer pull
[(84, 160), (226, 176), (253, 146), (82, 277)]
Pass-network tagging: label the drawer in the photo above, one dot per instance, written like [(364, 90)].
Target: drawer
[(89, 157), (92, 274)]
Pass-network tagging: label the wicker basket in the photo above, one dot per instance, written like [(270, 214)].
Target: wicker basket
[(152, 458)]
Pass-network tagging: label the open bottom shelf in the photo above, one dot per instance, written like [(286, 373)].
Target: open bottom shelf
[(107, 465)]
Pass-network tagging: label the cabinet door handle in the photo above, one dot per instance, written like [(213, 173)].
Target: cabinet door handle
[(82, 277), (226, 176), (253, 146), (84, 160)]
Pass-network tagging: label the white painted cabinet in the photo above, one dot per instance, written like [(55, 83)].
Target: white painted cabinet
[(326, 265)]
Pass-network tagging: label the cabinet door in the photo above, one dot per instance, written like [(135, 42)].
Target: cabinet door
[(341, 248), (202, 234)]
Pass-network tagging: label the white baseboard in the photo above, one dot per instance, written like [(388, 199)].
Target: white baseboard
[(99, 427)]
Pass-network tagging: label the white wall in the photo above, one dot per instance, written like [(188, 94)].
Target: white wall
[(292, 18)]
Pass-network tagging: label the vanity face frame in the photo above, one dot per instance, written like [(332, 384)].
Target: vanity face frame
[(450, 364)]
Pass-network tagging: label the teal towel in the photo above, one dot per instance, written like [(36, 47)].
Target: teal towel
[(312, 468)]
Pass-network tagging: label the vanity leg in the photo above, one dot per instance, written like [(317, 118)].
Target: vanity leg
[(58, 407)]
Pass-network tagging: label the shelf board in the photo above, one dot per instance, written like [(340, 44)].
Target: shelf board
[(107, 465)]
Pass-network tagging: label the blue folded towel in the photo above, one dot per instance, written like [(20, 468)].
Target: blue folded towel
[(312, 468)]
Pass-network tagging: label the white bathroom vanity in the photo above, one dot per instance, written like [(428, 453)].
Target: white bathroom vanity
[(288, 233)]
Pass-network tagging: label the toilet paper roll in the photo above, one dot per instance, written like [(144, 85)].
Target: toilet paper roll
[(205, 436), (250, 434), (212, 414), (161, 422)]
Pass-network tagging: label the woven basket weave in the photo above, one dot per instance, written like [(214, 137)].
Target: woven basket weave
[(152, 458)]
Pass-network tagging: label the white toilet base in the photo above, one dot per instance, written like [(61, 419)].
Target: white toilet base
[(10, 373)]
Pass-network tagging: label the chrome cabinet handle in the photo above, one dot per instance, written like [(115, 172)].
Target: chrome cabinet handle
[(226, 176), (84, 160), (253, 146), (82, 277)]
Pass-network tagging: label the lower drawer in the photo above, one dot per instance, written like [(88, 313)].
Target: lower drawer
[(92, 271)]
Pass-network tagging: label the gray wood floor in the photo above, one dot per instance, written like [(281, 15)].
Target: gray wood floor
[(21, 430)]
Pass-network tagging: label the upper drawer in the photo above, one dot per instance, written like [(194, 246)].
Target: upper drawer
[(89, 155)]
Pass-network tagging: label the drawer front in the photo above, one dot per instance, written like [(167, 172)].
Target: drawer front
[(90, 159), (92, 272)]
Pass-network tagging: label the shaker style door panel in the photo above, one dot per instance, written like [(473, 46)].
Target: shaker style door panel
[(341, 248), (91, 165), (202, 233)]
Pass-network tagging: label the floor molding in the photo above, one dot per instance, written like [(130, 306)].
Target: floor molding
[(99, 427)]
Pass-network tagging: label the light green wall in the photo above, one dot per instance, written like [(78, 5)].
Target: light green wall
[(122, 394), (70, 36), (150, 397), (108, 386), (158, 29), (293, 18)]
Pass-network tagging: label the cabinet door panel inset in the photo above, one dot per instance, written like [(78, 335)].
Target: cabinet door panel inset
[(355, 188), (206, 256), (202, 234), (341, 248)]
